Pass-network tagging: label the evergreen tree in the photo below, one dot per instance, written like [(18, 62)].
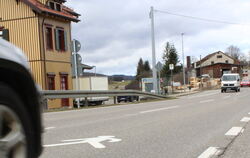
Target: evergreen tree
[(170, 56), (147, 66), (143, 70)]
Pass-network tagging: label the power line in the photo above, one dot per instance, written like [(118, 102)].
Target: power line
[(200, 18)]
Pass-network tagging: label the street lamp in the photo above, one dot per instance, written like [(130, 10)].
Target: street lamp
[(153, 50)]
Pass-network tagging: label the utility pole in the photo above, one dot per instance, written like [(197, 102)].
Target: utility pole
[(183, 58), (153, 50)]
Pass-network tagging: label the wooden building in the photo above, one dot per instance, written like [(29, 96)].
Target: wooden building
[(216, 64), (42, 29)]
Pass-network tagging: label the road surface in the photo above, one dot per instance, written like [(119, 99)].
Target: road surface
[(198, 125)]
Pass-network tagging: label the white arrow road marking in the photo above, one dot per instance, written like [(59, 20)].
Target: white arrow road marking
[(234, 131), (95, 142), (211, 151), (245, 119), (48, 128), (160, 109)]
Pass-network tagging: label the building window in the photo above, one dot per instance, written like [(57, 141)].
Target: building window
[(219, 56), (4, 33), (51, 82), (52, 5), (49, 38), (58, 7), (212, 62), (226, 61), (64, 82), (55, 6), (61, 39)]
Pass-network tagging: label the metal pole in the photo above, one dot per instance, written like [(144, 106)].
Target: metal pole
[(153, 51), (200, 72), (76, 73), (183, 58), (172, 85)]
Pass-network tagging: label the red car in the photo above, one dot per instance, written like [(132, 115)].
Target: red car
[(245, 82)]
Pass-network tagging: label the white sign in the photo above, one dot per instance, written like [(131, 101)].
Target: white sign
[(95, 142), (171, 66)]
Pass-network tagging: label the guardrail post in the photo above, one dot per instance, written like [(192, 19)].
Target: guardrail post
[(115, 99), (86, 104)]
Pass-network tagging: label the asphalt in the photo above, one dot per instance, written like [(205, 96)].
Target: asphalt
[(179, 128)]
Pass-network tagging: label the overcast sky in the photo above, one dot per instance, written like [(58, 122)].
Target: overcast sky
[(116, 33)]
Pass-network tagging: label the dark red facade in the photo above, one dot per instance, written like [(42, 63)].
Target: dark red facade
[(217, 70)]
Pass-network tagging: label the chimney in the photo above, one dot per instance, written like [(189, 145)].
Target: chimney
[(188, 62)]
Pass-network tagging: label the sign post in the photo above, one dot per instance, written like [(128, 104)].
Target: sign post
[(171, 67), (76, 46), (159, 67)]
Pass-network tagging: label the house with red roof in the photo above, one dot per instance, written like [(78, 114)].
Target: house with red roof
[(42, 29)]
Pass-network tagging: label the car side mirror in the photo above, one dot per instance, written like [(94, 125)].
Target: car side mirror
[(238, 80)]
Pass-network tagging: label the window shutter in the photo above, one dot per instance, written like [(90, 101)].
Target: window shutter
[(57, 40), (65, 41)]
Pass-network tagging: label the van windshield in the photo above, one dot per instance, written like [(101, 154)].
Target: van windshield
[(229, 78)]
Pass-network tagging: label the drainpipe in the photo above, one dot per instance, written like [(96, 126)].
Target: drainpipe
[(44, 56)]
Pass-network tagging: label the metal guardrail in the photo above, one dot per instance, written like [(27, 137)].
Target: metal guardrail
[(58, 94)]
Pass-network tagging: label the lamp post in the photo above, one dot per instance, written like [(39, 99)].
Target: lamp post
[(153, 50)]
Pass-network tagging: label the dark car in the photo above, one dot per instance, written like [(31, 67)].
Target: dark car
[(20, 111), (127, 98)]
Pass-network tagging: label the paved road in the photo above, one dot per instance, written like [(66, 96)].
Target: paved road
[(188, 127)]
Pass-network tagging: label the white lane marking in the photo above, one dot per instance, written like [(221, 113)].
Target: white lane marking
[(48, 128), (226, 97), (160, 109), (203, 95), (128, 115), (95, 142), (234, 131), (206, 101), (211, 151), (245, 119)]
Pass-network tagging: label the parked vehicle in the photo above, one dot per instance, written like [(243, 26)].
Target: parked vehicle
[(20, 111), (95, 82), (245, 82), (230, 82), (127, 98)]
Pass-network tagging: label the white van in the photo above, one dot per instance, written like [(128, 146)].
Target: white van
[(231, 82)]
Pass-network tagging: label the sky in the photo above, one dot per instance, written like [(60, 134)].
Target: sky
[(115, 34)]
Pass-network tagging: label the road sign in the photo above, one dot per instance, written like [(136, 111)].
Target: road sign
[(159, 66), (171, 66), (76, 46), (95, 142)]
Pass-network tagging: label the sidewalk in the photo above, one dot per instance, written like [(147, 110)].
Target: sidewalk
[(240, 148), (182, 93)]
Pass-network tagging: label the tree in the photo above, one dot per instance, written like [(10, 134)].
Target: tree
[(170, 56), (234, 52), (147, 66), (143, 70)]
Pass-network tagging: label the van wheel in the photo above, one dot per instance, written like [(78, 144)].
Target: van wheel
[(15, 126), (222, 91)]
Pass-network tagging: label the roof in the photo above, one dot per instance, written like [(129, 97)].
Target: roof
[(212, 54), (84, 66), (40, 8), (90, 74)]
